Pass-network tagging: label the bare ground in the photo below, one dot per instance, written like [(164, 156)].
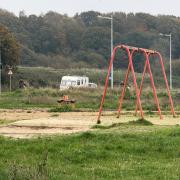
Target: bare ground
[(32, 123)]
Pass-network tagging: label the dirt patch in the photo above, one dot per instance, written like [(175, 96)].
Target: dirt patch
[(29, 132), (30, 123), (20, 114), (33, 123)]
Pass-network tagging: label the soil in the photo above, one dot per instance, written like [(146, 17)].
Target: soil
[(34, 123)]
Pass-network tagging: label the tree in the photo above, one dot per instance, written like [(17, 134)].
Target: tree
[(10, 48), (52, 39), (89, 18)]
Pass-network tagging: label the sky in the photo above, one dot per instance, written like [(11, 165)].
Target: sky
[(70, 7)]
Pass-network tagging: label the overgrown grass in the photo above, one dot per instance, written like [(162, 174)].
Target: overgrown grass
[(49, 77), (130, 152), (86, 99), (41, 96)]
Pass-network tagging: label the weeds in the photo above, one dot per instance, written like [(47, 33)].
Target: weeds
[(86, 99)]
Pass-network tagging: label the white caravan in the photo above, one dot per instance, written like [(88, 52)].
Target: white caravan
[(74, 81)]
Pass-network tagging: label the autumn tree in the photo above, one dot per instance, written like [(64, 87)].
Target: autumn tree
[(9, 48)]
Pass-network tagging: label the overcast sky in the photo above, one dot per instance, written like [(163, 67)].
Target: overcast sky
[(70, 7)]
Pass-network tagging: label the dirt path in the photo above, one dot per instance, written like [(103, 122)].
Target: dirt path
[(30, 123)]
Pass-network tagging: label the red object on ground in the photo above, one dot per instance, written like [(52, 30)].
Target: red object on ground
[(130, 52), (66, 100)]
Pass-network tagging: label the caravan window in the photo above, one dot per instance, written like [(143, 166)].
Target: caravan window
[(78, 82)]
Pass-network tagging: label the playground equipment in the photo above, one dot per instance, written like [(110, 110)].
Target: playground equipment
[(131, 52)]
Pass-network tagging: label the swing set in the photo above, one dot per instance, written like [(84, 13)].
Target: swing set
[(147, 67)]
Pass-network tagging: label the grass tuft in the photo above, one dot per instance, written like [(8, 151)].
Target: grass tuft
[(141, 121), (107, 127)]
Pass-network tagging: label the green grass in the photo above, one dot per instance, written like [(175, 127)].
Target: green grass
[(54, 115), (49, 77), (86, 99), (141, 122), (120, 152), (44, 91), (62, 108), (4, 122)]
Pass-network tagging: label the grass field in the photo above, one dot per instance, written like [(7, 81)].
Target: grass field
[(128, 151), (49, 77), (116, 151), (88, 99), (44, 90)]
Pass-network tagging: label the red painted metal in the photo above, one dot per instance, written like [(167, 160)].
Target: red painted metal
[(125, 85), (127, 48), (166, 81), (141, 86), (148, 66), (130, 52), (106, 84), (135, 84), (123, 90)]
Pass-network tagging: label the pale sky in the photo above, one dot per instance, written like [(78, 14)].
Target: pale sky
[(70, 7)]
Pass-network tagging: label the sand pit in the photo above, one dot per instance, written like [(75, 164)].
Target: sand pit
[(33, 123)]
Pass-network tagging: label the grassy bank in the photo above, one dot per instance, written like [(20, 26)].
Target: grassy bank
[(49, 77), (122, 152)]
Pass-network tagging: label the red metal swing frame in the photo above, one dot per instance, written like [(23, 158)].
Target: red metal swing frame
[(130, 52)]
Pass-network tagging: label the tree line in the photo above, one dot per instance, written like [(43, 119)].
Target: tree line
[(58, 41)]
